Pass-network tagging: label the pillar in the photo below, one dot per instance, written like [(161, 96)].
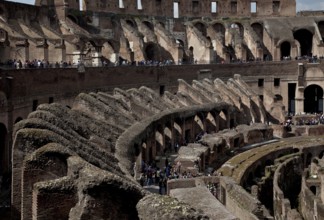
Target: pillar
[(24, 48)]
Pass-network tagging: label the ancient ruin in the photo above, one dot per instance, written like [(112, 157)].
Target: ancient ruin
[(228, 92)]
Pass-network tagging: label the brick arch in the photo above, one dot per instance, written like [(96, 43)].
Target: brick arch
[(148, 24), (201, 27), (220, 30), (314, 72), (305, 38), (258, 29), (45, 164), (131, 23), (285, 49), (237, 27)]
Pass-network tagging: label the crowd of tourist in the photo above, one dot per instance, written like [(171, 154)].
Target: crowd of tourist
[(313, 119), (310, 59), (316, 120), (18, 64), (151, 174), (42, 63)]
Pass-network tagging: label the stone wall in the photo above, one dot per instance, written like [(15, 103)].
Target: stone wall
[(239, 202), (284, 181), (195, 8)]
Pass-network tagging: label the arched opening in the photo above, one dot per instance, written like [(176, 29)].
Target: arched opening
[(180, 43), (313, 99), (258, 29), (150, 52), (201, 27), (3, 156), (321, 28), (305, 39), (73, 19), (285, 49), (130, 23), (219, 29), (237, 29), (149, 25)]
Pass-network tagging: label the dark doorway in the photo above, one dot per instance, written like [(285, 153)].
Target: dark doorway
[(285, 49), (3, 140), (305, 39), (313, 102), (291, 97), (150, 52)]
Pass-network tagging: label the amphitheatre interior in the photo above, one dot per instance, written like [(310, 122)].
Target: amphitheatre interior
[(151, 109)]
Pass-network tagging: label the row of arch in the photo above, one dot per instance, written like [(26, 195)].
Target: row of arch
[(179, 130), (304, 37)]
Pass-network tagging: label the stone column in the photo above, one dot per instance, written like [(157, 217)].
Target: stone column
[(277, 54), (299, 105), (24, 48), (260, 53), (294, 51), (42, 49), (61, 52)]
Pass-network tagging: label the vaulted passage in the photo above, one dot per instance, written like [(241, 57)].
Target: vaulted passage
[(150, 52), (305, 39), (313, 102), (285, 49)]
